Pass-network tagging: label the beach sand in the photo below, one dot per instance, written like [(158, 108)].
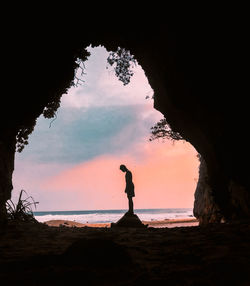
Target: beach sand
[(38, 254), (157, 223)]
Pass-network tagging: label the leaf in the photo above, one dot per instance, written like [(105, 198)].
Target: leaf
[(23, 209)]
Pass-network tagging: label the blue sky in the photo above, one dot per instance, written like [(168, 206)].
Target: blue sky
[(93, 116), (101, 118), (89, 133)]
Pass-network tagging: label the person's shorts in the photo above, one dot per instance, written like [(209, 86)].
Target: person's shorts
[(130, 196)]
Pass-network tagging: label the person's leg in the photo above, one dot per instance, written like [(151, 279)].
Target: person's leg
[(130, 205)]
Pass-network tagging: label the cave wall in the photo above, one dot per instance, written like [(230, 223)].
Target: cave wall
[(205, 208), (7, 155), (198, 84), (193, 67)]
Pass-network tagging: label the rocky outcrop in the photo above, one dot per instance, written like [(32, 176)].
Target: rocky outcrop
[(205, 208), (129, 220)]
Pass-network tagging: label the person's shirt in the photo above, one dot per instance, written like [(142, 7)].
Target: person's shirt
[(129, 184), (128, 178)]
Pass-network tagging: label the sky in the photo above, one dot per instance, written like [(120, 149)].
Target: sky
[(72, 162)]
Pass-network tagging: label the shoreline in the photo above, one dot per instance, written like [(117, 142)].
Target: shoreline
[(169, 223)]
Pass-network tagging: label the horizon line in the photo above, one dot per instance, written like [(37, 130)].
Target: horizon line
[(113, 209)]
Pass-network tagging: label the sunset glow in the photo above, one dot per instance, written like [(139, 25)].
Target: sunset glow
[(163, 177)]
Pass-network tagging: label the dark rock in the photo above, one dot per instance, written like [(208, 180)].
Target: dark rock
[(7, 151), (205, 208), (240, 200), (129, 220)]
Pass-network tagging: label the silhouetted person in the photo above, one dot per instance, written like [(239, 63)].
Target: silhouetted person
[(129, 188)]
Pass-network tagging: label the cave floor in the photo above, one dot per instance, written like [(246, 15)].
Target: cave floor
[(36, 254)]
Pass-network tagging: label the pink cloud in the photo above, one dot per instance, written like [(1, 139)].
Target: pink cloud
[(164, 176)]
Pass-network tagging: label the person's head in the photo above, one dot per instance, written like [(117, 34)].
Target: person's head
[(123, 168)]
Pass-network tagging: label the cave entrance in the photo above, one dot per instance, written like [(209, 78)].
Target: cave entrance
[(72, 162)]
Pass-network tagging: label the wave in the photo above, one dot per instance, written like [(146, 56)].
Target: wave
[(107, 216)]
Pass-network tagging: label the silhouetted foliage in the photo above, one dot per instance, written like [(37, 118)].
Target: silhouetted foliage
[(52, 106), (23, 135), (22, 211), (122, 61), (79, 72), (162, 130)]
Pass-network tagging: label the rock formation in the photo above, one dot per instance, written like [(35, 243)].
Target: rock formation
[(193, 63), (7, 152), (129, 220), (205, 208)]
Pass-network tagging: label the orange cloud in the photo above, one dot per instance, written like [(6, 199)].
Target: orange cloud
[(164, 176)]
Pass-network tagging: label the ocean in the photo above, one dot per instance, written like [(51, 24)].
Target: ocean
[(107, 216)]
